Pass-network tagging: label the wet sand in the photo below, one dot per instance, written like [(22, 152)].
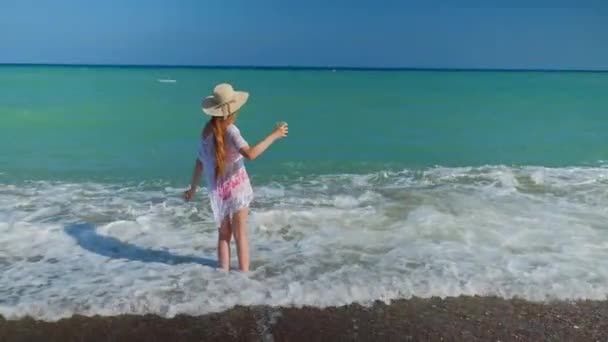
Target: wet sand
[(451, 319)]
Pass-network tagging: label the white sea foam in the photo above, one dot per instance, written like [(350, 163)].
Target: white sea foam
[(166, 80), (536, 233)]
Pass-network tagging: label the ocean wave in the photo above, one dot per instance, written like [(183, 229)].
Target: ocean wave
[(108, 249)]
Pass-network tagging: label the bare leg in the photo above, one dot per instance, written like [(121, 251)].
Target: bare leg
[(239, 228), (223, 244)]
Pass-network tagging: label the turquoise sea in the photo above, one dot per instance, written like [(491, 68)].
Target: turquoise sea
[(87, 123), (391, 184)]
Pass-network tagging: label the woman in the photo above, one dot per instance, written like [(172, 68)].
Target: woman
[(221, 153)]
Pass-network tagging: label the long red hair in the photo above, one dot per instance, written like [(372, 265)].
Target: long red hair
[(219, 126)]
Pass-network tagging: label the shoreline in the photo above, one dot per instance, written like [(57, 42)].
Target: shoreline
[(416, 319)]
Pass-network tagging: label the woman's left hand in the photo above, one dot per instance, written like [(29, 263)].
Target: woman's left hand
[(189, 194)]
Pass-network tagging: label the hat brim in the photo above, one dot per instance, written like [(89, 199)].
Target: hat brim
[(212, 108)]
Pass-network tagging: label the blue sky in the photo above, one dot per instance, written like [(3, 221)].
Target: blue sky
[(355, 33)]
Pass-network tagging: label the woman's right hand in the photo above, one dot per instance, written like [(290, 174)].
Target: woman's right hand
[(281, 130)]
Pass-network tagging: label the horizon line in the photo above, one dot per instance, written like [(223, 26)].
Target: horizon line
[(296, 67)]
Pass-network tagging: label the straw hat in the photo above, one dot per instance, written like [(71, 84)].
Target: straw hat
[(224, 101)]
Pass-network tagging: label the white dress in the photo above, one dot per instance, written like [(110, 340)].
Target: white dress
[(232, 191)]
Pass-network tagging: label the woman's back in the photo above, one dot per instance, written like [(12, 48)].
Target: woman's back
[(231, 190), (233, 142)]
